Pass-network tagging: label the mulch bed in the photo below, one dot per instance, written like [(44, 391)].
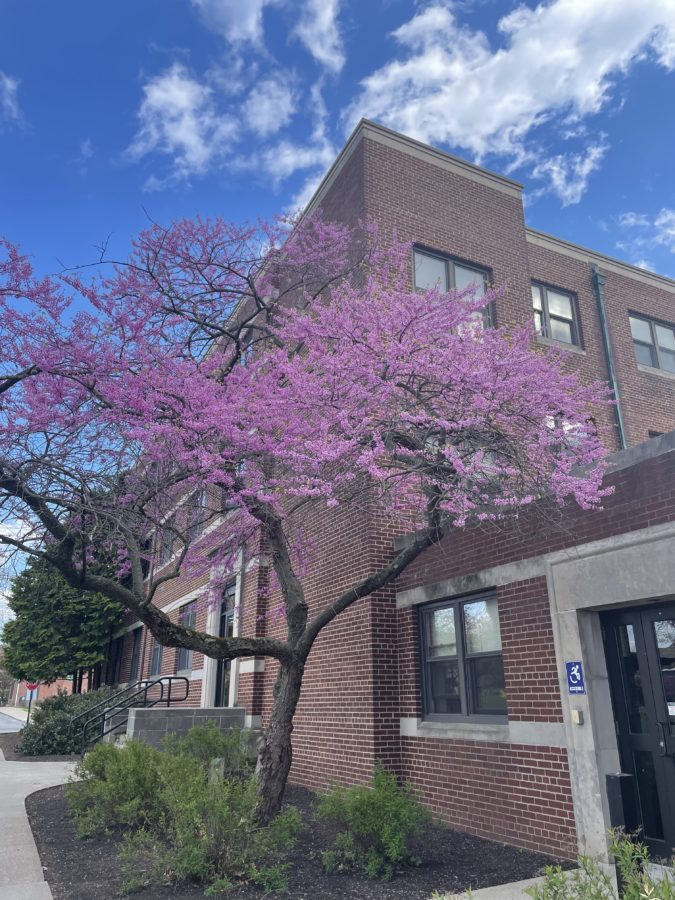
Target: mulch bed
[(453, 861), (8, 744)]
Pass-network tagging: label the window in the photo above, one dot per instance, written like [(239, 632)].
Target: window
[(447, 274), (156, 658), (196, 515), (166, 545), (188, 618), (555, 314), (654, 343), (463, 674), (135, 653)]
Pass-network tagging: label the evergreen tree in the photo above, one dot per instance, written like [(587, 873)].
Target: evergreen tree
[(57, 629)]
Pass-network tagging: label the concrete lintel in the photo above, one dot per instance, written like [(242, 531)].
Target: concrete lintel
[(249, 666), (493, 576)]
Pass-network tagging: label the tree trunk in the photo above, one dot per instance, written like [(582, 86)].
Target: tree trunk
[(274, 746)]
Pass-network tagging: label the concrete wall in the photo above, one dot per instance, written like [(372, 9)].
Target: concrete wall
[(152, 725)]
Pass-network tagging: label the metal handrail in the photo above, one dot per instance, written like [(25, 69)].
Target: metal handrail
[(112, 709)]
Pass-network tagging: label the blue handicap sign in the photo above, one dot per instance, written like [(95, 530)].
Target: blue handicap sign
[(575, 678)]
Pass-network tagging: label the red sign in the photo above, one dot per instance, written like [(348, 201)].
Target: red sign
[(31, 685)]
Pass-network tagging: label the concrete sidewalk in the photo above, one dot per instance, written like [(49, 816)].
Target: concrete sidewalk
[(21, 876), (16, 712)]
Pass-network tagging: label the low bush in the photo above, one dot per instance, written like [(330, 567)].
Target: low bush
[(49, 731), (590, 882), (207, 742), (378, 824), (186, 826), (117, 787)]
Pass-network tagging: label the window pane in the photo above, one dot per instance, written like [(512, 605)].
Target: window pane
[(665, 337), (429, 272), (632, 682), (487, 682), (640, 330), (537, 321), (465, 278), (664, 631), (442, 637), (648, 794), (561, 331), (444, 687), (559, 304), (536, 296), (644, 355), (667, 360), (481, 626)]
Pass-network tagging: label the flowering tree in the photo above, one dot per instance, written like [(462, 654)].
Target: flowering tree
[(274, 370)]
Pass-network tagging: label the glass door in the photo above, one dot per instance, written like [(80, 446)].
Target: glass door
[(640, 647)]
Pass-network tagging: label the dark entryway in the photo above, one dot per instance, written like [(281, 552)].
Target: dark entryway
[(640, 647), (226, 629)]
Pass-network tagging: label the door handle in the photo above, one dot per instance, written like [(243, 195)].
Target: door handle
[(662, 738)]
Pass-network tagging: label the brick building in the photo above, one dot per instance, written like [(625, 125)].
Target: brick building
[(457, 677)]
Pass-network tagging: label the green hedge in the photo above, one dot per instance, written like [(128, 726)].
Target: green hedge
[(49, 731)]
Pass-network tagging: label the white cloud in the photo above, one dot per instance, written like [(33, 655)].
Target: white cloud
[(664, 229), (81, 161), (9, 99), (644, 234), (318, 30), (450, 86), (633, 220), (644, 264), (236, 20), (178, 118), (269, 106), (568, 173), (287, 157)]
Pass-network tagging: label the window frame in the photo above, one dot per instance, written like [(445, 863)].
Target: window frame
[(574, 322), (655, 347), (167, 539), (467, 701), (197, 506), (450, 262), (156, 658), (187, 617), (135, 657)]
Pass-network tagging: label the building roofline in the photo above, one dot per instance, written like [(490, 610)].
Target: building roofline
[(366, 128), (373, 131), (610, 263)]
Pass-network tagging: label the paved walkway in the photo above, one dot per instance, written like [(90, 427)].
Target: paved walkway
[(16, 712), (21, 875), (10, 722)]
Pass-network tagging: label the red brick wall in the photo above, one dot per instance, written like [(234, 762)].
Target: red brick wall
[(363, 673), (647, 399), (644, 496), (508, 792)]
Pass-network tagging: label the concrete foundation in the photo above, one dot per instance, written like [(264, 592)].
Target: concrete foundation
[(152, 724)]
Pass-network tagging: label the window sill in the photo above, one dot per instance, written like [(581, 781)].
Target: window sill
[(466, 729), (571, 348), (660, 373), (539, 734)]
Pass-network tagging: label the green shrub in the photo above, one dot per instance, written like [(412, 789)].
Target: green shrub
[(184, 826), (378, 825), (207, 742), (49, 731), (590, 882), (116, 787)]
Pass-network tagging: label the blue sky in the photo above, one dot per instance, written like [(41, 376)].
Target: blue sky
[(237, 107)]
